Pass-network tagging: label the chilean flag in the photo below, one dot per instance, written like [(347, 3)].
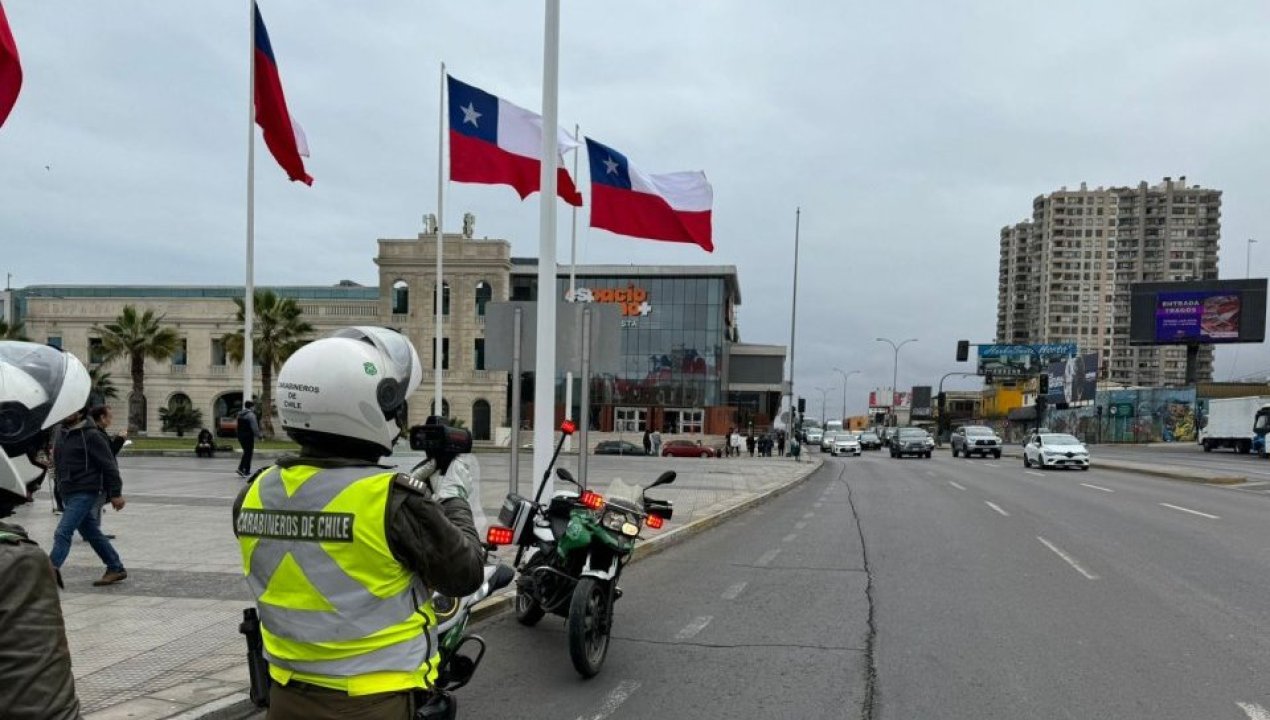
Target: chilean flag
[(674, 207), (494, 142), (283, 135), (10, 69)]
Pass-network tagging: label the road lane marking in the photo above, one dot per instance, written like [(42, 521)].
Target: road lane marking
[(1033, 472), (694, 627), (931, 473), (790, 537), (1193, 512), (1254, 712), (809, 515), (800, 524), (1068, 558), (996, 507), (992, 464), (768, 557), (734, 591), (614, 700), (1098, 487), (959, 487), (816, 504)]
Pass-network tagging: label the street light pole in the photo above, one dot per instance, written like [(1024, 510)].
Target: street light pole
[(1248, 260), (895, 371), (824, 393), (942, 425), (845, 376)]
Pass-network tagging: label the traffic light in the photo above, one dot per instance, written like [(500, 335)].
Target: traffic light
[(802, 405), (1043, 384), (963, 350)]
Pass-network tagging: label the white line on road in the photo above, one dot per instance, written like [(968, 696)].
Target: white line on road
[(809, 515), (1193, 512), (790, 538), (992, 464), (694, 627), (734, 591), (1098, 487), (1033, 472), (930, 473), (956, 485), (816, 504), (1254, 712), (996, 507), (614, 700), (1070, 560), (767, 557), (800, 524)]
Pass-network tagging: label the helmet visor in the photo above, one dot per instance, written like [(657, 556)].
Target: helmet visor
[(31, 377), (401, 364)]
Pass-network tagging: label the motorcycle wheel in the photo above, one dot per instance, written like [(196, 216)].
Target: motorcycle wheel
[(528, 611), (588, 644)]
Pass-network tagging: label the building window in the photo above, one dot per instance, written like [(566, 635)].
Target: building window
[(445, 408), (478, 354), (55, 341), (400, 298), (445, 300), (218, 352), (96, 351), (179, 357), (629, 419), (484, 293), (445, 353)]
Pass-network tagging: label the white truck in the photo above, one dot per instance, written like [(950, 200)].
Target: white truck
[(1237, 423)]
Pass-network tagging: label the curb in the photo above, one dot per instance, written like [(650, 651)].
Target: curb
[(239, 707)]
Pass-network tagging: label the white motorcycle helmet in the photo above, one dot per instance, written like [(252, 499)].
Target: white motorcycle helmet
[(40, 386), (350, 385)]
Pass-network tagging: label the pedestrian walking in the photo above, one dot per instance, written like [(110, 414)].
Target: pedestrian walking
[(750, 442), (102, 417), (648, 442), (248, 430), (656, 443), (86, 468), (780, 443), (736, 444)]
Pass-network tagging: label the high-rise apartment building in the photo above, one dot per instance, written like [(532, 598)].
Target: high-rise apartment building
[(1065, 274)]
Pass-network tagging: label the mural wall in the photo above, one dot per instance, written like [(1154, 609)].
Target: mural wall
[(1128, 416)]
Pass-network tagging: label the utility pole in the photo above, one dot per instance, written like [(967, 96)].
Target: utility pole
[(895, 372), (793, 322), (845, 376)]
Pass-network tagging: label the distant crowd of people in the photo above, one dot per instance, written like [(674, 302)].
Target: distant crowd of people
[(762, 443)]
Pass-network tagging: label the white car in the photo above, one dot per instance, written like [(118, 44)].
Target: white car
[(1046, 450), (827, 440), (845, 444), (814, 435)]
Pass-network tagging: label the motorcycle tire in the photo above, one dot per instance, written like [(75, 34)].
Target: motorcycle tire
[(588, 645), (528, 611)]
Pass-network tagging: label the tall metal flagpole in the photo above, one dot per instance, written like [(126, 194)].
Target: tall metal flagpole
[(437, 399), (573, 287), (545, 361), (249, 299), (793, 322)]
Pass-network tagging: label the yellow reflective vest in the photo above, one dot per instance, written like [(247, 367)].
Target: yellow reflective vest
[(336, 608)]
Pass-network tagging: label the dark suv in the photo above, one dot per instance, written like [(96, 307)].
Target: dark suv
[(975, 439), (911, 441)]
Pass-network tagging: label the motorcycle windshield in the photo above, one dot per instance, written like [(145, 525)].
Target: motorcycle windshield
[(621, 493)]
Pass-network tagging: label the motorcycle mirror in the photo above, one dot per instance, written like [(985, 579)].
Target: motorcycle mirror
[(565, 475), (665, 478)]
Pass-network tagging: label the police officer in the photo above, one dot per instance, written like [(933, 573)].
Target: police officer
[(39, 386), (342, 553)]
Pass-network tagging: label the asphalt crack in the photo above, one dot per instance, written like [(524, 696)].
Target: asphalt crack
[(869, 704)]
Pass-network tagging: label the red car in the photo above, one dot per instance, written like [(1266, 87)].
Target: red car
[(688, 448)]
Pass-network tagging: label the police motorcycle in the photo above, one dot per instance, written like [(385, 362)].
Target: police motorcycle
[(460, 652), (571, 551)]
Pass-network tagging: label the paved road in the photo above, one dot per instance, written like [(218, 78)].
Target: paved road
[(1192, 455), (967, 589)]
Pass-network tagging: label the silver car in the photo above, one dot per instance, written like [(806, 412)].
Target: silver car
[(845, 444)]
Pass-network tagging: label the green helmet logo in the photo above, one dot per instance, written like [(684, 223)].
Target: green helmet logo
[(370, 368)]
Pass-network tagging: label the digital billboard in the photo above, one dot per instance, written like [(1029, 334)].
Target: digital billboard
[(1013, 361), (1198, 312), (1074, 380), (921, 409)]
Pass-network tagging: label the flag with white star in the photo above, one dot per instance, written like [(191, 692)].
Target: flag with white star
[(673, 207), (495, 142)]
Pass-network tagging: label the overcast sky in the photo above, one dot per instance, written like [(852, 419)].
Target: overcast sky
[(909, 131)]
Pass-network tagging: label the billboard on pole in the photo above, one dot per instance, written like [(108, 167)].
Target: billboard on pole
[(1198, 312), (921, 409), (1010, 361), (1074, 380)]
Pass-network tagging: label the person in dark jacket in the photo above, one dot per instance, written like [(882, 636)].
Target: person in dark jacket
[(400, 536), (86, 468), (648, 441), (205, 445), (248, 431), (102, 416), (39, 386)]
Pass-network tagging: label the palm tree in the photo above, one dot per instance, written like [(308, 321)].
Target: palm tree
[(137, 336), (103, 388), (277, 331), (12, 332)]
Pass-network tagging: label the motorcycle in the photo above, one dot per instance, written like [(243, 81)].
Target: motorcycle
[(571, 552)]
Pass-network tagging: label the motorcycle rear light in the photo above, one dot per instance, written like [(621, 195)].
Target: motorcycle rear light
[(499, 535), (655, 522), (594, 501)]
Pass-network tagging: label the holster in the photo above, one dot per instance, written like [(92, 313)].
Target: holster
[(257, 666)]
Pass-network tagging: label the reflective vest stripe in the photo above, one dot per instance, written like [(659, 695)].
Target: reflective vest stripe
[(356, 614)]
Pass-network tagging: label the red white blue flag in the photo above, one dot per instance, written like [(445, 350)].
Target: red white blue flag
[(10, 69), (497, 143), (283, 135), (673, 207)]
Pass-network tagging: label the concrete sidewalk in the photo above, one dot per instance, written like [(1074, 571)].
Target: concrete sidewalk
[(164, 643)]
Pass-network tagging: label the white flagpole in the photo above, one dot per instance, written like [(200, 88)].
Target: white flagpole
[(440, 294), (249, 299), (573, 287), (545, 361)]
